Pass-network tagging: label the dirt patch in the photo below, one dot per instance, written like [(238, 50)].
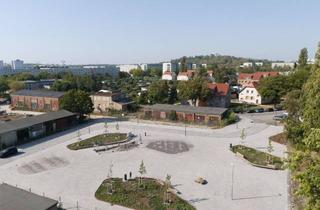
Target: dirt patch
[(43, 164), (169, 147), (280, 138)]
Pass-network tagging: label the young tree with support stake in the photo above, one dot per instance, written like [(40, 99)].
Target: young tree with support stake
[(270, 150), (167, 187), (142, 171), (110, 184), (243, 135)]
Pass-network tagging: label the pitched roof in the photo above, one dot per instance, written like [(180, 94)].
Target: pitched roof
[(107, 93), (13, 198), (258, 75), (167, 73), (220, 88), (187, 109), (29, 121), (39, 93), (183, 74)]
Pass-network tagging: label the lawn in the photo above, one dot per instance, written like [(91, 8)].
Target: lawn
[(149, 197), (99, 140), (257, 157)]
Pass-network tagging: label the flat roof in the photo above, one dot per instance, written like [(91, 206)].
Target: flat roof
[(29, 121), (13, 198), (39, 93), (188, 109)]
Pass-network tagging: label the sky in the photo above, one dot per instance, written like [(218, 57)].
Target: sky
[(147, 31)]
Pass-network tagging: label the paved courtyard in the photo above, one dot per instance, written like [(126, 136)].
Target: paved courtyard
[(73, 176)]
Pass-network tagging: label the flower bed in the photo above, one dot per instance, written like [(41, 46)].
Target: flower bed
[(99, 140), (258, 158)]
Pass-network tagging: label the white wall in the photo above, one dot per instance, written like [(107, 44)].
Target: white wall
[(166, 67), (250, 95)]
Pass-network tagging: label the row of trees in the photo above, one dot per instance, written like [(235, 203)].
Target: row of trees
[(303, 129)]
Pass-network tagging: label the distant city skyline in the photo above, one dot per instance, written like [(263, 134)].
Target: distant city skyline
[(144, 31)]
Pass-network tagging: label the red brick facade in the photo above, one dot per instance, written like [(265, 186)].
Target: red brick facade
[(35, 103), (184, 117)]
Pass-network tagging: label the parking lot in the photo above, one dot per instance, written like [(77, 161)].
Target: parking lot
[(49, 168)]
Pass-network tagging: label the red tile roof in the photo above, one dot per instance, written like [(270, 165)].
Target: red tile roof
[(220, 88), (168, 73), (258, 75), (183, 74)]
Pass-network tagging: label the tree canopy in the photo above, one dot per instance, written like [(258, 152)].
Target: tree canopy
[(77, 101), (303, 57)]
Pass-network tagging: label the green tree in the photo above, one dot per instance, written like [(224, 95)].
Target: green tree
[(195, 89), (273, 88), (77, 101), (4, 86), (303, 57), (16, 85), (136, 72), (142, 171), (243, 134), (317, 58), (183, 64), (158, 92), (167, 184)]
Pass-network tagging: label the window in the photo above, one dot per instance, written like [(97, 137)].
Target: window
[(247, 91), (34, 105), (251, 91)]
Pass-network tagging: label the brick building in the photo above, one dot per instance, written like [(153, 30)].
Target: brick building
[(36, 100), (246, 79), (211, 116), (109, 100)]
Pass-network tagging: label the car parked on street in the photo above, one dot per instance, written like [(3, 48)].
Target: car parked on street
[(8, 152)]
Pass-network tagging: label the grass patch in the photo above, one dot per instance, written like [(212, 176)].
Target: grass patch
[(280, 138), (149, 197), (99, 140), (257, 157)]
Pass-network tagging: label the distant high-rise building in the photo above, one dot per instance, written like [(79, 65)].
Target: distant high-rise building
[(127, 67), (17, 64), (1, 65), (143, 66)]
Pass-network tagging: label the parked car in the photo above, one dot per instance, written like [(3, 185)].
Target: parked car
[(8, 152), (259, 110), (251, 111), (280, 117)]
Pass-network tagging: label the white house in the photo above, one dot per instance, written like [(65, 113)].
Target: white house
[(258, 63), (282, 65), (250, 95), (167, 75), (246, 65), (183, 76), (166, 67), (127, 67)]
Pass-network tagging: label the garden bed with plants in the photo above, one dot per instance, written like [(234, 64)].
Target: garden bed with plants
[(99, 140), (258, 158), (142, 194)]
